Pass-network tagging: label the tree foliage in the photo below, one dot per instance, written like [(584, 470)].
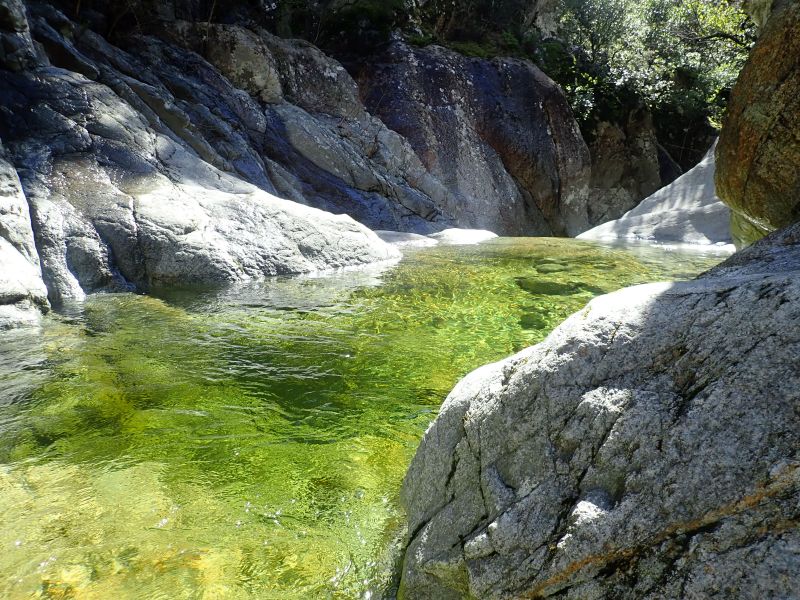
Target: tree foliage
[(333, 23), (678, 57), (662, 47)]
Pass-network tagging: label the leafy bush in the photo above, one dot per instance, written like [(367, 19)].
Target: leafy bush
[(678, 57), (354, 24)]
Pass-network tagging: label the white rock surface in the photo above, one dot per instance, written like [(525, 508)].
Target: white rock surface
[(463, 236), (687, 211), (118, 201), (647, 449), (402, 239), (22, 292)]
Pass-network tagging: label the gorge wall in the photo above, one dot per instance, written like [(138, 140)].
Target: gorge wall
[(144, 160), (498, 133)]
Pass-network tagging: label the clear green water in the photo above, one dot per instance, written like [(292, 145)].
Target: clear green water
[(250, 443)]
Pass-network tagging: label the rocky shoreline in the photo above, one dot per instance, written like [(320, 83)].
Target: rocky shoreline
[(638, 452), (648, 448)]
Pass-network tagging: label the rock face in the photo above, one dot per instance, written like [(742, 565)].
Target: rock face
[(129, 187), (22, 291), (687, 211), (427, 140), (626, 166), (544, 15), (646, 449), (760, 10), (758, 158), (17, 51), (498, 134), (318, 144), (439, 141)]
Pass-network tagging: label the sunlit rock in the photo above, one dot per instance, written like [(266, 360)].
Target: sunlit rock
[(646, 449), (22, 292), (499, 134), (687, 211), (127, 189), (758, 156), (402, 239)]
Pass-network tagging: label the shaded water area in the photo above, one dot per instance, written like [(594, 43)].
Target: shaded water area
[(250, 442)]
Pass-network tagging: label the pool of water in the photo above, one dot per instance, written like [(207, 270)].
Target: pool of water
[(250, 442)]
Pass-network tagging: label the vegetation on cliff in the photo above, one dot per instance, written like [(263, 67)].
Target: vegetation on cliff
[(679, 58)]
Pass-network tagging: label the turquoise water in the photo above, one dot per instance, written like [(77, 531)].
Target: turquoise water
[(250, 442)]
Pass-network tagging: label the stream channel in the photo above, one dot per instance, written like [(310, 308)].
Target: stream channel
[(250, 442)]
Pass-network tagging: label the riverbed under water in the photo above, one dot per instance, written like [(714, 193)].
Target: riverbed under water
[(250, 442)]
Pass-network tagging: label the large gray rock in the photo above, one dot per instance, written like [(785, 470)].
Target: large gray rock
[(22, 292), (318, 144), (130, 187), (625, 166), (647, 449), (758, 156), (687, 211), (498, 134)]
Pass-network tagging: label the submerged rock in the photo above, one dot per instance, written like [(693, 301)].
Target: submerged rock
[(758, 156), (687, 211), (646, 449)]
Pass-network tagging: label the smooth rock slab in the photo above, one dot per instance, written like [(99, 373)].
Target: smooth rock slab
[(23, 295), (22, 292), (318, 144), (118, 201), (687, 211), (646, 449)]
